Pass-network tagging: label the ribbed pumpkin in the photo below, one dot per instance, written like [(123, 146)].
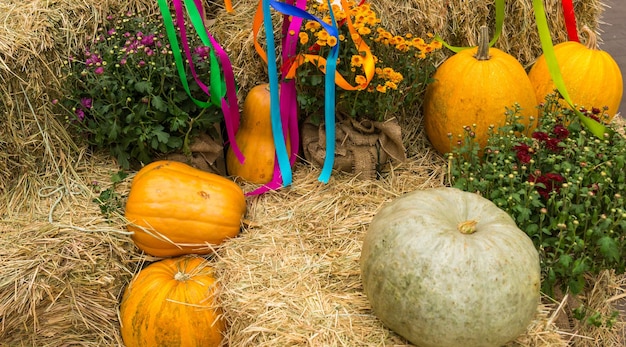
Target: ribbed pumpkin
[(175, 209), (255, 139), (591, 76), (474, 87), (171, 303), (444, 267)]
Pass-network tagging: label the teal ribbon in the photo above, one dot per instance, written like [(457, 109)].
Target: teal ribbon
[(282, 155), (329, 81), (596, 128)]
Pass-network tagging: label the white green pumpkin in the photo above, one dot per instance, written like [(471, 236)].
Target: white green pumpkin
[(443, 267)]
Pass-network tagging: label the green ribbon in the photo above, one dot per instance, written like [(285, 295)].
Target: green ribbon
[(216, 78), (596, 128), (496, 35), (217, 88)]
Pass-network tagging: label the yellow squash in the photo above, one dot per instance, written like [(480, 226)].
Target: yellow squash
[(255, 139)]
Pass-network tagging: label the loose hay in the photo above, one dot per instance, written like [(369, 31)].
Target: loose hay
[(64, 269), (292, 277)]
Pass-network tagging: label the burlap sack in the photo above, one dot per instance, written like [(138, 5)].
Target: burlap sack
[(207, 154), (362, 147)]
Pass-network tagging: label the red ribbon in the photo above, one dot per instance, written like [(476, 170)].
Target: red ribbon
[(570, 20)]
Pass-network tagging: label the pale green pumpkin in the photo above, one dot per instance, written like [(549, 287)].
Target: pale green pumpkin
[(443, 267)]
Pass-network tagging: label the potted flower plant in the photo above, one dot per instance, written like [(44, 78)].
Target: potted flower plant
[(123, 93), (368, 134)]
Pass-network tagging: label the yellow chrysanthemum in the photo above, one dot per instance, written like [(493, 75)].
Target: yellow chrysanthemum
[(402, 47), (332, 41), (364, 30), (312, 26), (322, 35), (356, 60), (391, 85), (304, 38), (381, 89), (360, 79)]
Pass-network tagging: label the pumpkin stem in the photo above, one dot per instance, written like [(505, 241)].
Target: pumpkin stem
[(182, 277), (483, 44), (592, 39), (467, 227)]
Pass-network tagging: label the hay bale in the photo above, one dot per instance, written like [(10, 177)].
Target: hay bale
[(64, 268), (457, 22)]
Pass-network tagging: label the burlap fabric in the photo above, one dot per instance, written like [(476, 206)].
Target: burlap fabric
[(362, 147), (207, 154)]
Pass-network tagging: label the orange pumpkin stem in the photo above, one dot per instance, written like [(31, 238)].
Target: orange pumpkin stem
[(592, 38), (467, 227), (483, 44)]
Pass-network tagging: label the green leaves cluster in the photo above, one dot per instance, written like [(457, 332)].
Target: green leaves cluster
[(567, 197), (123, 93)]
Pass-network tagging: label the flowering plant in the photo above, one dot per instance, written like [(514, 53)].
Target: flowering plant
[(125, 93), (403, 64), (562, 185)]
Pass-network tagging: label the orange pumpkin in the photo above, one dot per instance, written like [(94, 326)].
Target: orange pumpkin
[(172, 303), (175, 209), (474, 87), (255, 139), (591, 76)]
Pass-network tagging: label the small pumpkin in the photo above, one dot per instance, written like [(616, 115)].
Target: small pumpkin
[(444, 267), (255, 139), (172, 303), (175, 209), (474, 87), (591, 76)]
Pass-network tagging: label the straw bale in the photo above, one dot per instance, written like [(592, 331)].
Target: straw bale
[(64, 267), (457, 22)]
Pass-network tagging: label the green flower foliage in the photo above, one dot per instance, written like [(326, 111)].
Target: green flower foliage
[(562, 185), (124, 93)]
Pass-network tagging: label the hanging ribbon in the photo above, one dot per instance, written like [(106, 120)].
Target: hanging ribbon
[(498, 30), (329, 105), (282, 157), (287, 90), (328, 66), (570, 20), (229, 6), (596, 128), (222, 90)]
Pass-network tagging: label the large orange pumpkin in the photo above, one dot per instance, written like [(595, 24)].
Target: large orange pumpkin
[(172, 303), (175, 209), (474, 87), (591, 76), (255, 139)]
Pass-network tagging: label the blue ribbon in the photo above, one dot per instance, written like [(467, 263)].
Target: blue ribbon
[(277, 128), (329, 87)]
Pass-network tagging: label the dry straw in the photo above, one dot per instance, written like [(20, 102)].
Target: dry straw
[(292, 276)]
